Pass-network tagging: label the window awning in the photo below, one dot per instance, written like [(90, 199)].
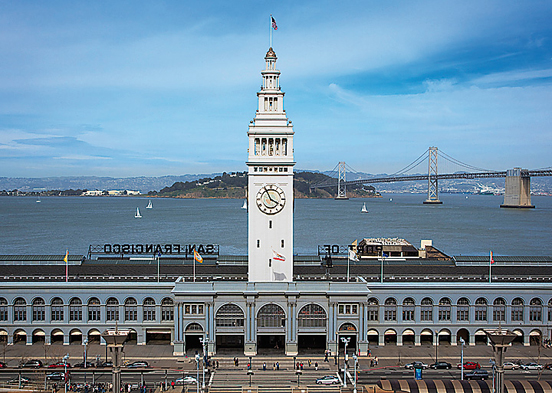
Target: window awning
[(37, 333), (158, 331), (57, 333), (389, 331)]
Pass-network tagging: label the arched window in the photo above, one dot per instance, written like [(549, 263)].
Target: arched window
[(549, 310), (535, 310), (517, 309), (112, 309), (19, 309), (444, 309), (167, 309), (39, 313), (390, 309), (312, 315), (230, 315), (426, 310), (3, 309), (131, 309), (463, 309), (57, 309), (94, 309), (481, 309), (271, 315), (149, 309), (194, 327), (373, 309), (409, 307), (75, 309), (499, 310)]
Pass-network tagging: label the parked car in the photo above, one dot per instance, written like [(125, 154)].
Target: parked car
[(477, 374), (15, 381), (328, 380), (185, 381), (81, 365), (59, 365), (548, 366), (414, 365), (510, 366), (34, 363), (56, 376), (469, 366), (105, 364), (531, 366), (138, 364), (441, 365)]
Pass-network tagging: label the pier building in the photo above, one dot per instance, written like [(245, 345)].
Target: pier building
[(375, 291)]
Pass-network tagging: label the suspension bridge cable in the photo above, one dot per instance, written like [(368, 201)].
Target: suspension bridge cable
[(462, 164), (412, 165)]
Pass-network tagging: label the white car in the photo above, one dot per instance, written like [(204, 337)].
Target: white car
[(531, 366), (328, 380), (414, 365), (185, 381), (510, 366)]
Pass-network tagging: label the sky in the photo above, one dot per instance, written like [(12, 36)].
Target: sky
[(153, 88)]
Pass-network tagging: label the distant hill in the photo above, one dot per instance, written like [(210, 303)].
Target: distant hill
[(234, 185)]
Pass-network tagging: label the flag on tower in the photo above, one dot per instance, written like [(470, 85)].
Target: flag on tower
[(274, 25), (278, 257), (198, 257)]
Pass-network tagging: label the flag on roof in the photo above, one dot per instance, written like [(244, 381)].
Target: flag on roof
[(66, 256), (198, 257), (384, 255), (274, 25), (353, 256), (491, 260)]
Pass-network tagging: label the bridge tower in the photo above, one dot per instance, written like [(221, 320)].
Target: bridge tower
[(432, 184), (341, 186), (517, 193)]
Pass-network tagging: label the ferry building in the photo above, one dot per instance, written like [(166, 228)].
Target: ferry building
[(375, 292)]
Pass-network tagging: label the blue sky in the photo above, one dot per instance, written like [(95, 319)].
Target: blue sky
[(132, 88)]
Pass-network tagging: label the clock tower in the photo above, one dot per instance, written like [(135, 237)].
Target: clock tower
[(270, 183)]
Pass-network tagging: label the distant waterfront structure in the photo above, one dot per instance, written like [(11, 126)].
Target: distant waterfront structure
[(272, 300)]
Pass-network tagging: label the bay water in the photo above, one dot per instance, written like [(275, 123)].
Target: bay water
[(463, 225)]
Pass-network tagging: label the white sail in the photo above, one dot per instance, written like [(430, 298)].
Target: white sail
[(137, 215), (150, 205), (364, 210), (244, 206)]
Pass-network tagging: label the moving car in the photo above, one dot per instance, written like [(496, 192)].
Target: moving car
[(476, 374), (328, 380), (414, 365), (138, 364), (105, 364), (56, 376), (59, 365), (185, 381), (3, 365), (88, 365), (470, 366), (441, 365), (531, 366), (510, 366), (15, 381), (33, 363)]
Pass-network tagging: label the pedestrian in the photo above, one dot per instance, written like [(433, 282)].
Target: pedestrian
[(297, 366), (237, 362), (309, 362), (172, 384), (273, 366), (316, 366), (301, 366), (376, 360), (326, 356), (371, 362), (264, 366), (277, 365), (217, 364)]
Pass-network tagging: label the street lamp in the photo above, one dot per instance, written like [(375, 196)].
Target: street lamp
[(197, 371), (65, 367), (436, 346), (250, 373), (346, 342), (204, 342), (462, 342), (85, 344), (500, 339), (355, 358)]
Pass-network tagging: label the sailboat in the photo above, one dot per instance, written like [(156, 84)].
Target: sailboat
[(244, 206), (38, 200), (137, 215), (364, 210), (149, 206)]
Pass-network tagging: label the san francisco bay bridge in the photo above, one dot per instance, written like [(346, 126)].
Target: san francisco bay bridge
[(517, 180)]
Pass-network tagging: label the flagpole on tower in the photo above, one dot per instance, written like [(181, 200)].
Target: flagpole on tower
[(270, 29)]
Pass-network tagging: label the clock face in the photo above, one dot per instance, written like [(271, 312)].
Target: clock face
[(271, 199)]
